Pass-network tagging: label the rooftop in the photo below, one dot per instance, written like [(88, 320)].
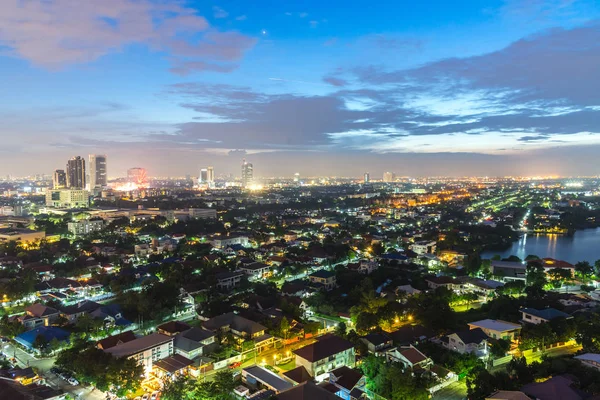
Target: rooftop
[(322, 273), (547, 313), (268, 378), (495, 325), (138, 345), (326, 346)]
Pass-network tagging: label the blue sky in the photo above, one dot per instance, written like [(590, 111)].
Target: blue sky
[(321, 88)]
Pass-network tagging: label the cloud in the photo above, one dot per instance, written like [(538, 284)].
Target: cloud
[(335, 81), (330, 42), (314, 24), (56, 33), (219, 12), (303, 14), (241, 18)]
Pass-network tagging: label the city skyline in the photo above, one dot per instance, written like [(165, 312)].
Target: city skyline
[(461, 89)]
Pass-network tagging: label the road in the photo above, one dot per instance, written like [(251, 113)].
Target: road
[(556, 352), (43, 365)]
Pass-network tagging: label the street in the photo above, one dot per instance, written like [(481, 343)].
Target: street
[(43, 366)]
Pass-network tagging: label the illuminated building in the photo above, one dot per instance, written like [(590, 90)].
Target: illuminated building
[(297, 177), (97, 174), (76, 173), (68, 198), (366, 178), (389, 177), (20, 235), (59, 179), (247, 173), (211, 175)]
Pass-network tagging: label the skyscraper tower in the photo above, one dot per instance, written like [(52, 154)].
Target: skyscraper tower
[(211, 174), (367, 177), (76, 173), (203, 176), (97, 172), (59, 179), (247, 173)]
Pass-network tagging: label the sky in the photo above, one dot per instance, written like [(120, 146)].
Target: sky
[(337, 88)]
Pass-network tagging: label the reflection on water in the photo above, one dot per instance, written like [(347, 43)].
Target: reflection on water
[(583, 246)]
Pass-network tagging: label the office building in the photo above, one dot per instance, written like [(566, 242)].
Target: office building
[(389, 177), (211, 175), (366, 178), (76, 173), (97, 173), (247, 174), (203, 179), (68, 198), (59, 179), (297, 177)]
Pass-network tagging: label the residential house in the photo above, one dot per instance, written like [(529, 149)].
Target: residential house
[(411, 334), (377, 342), (115, 340), (434, 282), (306, 391), (508, 270), (222, 242), (327, 353), (37, 315), (173, 328), (229, 280), (497, 329), (146, 350), (533, 316), (411, 358), (256, 270), (242, 328), (195, 342), (364, 267), (590, 360), (349, 383), (323, 279), (424, 247), (473, 341), (508, 395), (558, 387), (261, 378)]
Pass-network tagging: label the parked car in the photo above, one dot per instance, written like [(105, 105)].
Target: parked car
[(235, 365), (73, 381)]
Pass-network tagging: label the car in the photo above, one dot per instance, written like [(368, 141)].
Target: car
[(73, 381), (55, 370), (235, 365)]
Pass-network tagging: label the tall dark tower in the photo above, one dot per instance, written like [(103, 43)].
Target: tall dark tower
[(76, 173)]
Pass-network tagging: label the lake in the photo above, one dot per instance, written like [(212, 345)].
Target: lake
[(583, 246)]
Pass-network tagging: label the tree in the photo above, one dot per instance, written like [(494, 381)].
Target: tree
[(224, 381), (499, 347), (102, 370), (584, 269), (340, 329), (558, 276), (284, 327), (40, 343)]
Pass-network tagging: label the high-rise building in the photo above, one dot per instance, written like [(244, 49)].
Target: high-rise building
[(203, 176), (247, 173), (297, 177), (97, 174), (76, 173), (366, 178), (59, 179), (389, 177), (211, 174), (137, 175)]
